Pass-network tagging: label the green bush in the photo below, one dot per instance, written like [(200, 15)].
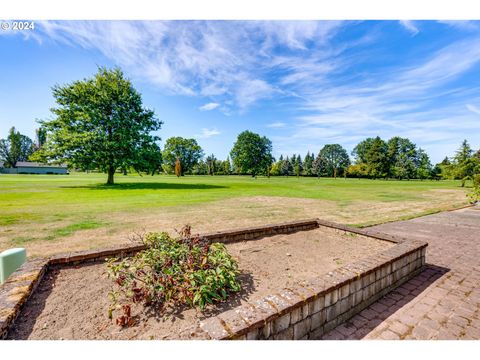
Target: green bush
[(474, 194), (188, 270)]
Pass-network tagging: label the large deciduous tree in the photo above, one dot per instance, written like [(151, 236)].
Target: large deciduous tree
[(187, 151), (149, 160), (100, 123), (403, 158), (425, 169), (16, 147), (362, 149), (252, 154), (371, 157), (335, 158)]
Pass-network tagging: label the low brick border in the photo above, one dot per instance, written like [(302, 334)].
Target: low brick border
[(314, 307), (344, 291), (228, 236), (21, 284)]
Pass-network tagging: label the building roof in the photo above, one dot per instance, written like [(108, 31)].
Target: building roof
[(36, 164)]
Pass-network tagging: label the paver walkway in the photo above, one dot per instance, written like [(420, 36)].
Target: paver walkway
[(442, 302)]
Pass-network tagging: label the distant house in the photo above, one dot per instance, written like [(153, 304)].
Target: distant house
[(26, 167)]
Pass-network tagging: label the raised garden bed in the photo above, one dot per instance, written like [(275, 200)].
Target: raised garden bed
[(298, 280)]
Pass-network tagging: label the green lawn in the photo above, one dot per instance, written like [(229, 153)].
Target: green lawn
[(55, 213)]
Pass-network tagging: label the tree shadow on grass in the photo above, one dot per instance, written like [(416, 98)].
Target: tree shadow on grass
[(147, 186)]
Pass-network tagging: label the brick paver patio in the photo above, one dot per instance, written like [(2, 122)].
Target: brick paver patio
[(442, 302)]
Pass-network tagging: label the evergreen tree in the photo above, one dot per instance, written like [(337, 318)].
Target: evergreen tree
[(227, 167), (211, 164), (463, 153), (319, 166), (298, 167), (307, 164), (402, 157), (286, 167), (375, 157), (465, 164), (41, 135), (424, 168)]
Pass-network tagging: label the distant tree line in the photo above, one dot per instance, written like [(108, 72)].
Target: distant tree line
[(398, 158), (332, 160), (100, 124), (464, 165), (18, 147)]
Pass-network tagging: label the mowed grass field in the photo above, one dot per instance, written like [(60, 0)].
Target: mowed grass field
[(51, 214)]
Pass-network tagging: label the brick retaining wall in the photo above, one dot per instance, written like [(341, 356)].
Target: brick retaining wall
[(309, 310), (305, 311)]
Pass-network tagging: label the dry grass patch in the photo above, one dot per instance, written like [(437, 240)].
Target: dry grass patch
[(234, 213)]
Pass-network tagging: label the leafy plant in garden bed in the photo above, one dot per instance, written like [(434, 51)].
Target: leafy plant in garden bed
[(187, 270)]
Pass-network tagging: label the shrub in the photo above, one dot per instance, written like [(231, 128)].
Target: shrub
[(188, 270), (474, 194), (358, 171), (178, 167)]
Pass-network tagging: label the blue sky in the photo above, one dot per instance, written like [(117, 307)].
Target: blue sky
[(303, 84)]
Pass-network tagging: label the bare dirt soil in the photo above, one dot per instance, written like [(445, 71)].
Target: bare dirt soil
[(72, 302)]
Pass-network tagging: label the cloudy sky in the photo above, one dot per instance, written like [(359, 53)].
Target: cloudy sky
[(302, 84)]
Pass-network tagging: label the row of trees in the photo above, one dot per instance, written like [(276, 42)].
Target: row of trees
[(397, 158), (464, 165), (18, 147), (332, 160), (251, 154), (100, 124)]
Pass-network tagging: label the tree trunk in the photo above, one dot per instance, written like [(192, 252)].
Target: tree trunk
[(111, 173), (334, 173)]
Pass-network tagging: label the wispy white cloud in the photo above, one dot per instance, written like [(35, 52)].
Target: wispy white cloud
[(332, 98), (207, 133), (296, 34), (467, 25), (209, 106), (217, 59), (276, 125), (249, 91), (411, 101), (410, 26), (473, 109)]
